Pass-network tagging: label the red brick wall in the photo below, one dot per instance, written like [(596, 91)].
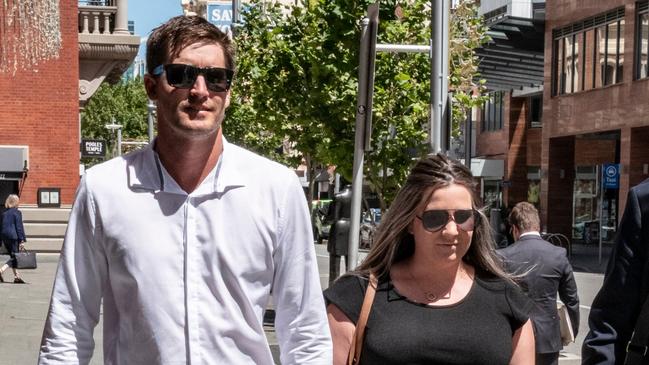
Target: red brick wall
[(590, 152), (558, 195), (516, 162), (40, 109), (493, 144)]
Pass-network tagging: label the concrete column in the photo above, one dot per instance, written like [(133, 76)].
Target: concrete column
[(121, 18)]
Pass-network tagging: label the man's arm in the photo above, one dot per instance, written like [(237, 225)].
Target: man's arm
[(569, 296), (76, 297), (612, 315), (301, 319)]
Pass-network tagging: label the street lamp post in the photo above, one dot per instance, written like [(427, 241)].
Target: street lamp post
[(116, 127), (151, 109)]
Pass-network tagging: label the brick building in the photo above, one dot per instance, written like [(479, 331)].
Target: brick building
[(39, 116), (588, 115)]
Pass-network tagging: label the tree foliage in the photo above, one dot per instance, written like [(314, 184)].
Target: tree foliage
[(124, 103), (297, 83)]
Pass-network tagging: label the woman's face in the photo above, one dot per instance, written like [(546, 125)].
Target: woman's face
[(451, 241)]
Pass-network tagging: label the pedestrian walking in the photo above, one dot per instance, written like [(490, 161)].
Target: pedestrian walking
[(441, 296), (12, 235), (184, 241), (543, 270), (618, 332)]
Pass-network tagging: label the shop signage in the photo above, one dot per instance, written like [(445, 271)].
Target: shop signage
[(219, 13), (93, 148), (611, 178)]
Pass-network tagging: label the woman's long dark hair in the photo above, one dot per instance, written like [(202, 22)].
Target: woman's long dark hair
[(393, 242)]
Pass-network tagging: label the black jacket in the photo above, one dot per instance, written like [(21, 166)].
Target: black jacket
[(547, 271), (616, 307), (11, 226)]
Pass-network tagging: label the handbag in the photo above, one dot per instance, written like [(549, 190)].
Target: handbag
[(25, 259), (359, 332), (567, 334)]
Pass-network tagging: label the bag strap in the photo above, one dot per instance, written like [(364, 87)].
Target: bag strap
[(359, 332), (637, 349)]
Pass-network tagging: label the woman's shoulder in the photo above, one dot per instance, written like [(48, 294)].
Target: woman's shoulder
[(347, 293)]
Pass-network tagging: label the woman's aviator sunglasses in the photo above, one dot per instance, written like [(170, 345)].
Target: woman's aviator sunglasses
[(184, 76), (435, 219)]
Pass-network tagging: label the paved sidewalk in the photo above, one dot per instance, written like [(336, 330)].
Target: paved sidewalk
[(23, 309)]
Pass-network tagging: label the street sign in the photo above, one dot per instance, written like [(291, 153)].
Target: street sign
[(611, 175), (220, 14), (93, 148)]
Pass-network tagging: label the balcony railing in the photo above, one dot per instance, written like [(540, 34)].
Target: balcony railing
[(97, 19)]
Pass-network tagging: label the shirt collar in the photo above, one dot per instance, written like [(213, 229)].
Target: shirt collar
[(145, 171), (530, 233)]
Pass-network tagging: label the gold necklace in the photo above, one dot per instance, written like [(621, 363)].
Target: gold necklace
[(429, 295)]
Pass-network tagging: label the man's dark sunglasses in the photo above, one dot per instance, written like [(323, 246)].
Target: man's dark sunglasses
[(184, 76), (435, 219)]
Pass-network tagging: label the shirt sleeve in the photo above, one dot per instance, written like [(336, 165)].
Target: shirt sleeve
[(618, 302), (76, 298), (347, 293), (301, 321)]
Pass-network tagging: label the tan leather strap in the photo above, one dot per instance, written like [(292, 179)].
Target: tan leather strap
[(359, 332)]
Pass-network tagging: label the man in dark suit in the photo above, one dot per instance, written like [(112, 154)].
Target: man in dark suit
[(544, 270), (616, 307)]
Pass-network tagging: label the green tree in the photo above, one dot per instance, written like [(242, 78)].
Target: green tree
[(297, 83), (124, 103)]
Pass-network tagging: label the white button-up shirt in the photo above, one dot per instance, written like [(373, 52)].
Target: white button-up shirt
[(185, 278)]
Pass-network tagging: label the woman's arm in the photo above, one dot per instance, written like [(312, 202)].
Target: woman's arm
[(342, 331), (523, 345)]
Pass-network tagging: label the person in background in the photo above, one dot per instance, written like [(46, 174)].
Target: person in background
[(185, 240), (12, 235), (543, 269), (442, 296), (615, 311)]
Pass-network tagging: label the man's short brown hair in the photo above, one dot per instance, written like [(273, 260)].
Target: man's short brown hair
[(525, 217), (169, 39)]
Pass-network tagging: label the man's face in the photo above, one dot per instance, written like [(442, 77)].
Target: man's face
[(194, 112)]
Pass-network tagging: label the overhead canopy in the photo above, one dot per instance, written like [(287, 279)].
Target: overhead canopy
[(514, 58)]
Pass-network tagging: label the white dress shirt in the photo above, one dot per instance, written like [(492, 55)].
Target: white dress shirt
[(185, 278)]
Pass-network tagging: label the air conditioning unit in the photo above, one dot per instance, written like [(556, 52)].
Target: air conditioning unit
[(14, 158)]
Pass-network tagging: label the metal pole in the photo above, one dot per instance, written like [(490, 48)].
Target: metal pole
[(601, 213), (468, 138), (235, 16), (363, 124), (150, 107), (119, 141), (439, 71)]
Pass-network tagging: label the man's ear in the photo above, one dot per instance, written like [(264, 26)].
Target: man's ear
[(150, 84)]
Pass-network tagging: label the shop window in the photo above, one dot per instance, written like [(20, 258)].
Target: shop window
[(589, 54), (493, 111)]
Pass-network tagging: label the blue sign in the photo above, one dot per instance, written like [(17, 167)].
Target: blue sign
[(219, 13), (611, 175)]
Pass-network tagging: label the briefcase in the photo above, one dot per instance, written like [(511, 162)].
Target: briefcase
[(25, 260)]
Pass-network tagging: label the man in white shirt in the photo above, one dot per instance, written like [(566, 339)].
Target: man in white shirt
[(185, 240)]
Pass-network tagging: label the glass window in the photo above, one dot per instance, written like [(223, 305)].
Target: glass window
[(536, 111), (643, 48), (594, 56), (577, 42)]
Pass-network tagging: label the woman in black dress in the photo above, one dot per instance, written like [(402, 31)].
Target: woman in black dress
[(12, 235), (442, 295)]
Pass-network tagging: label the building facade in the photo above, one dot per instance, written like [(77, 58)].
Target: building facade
[(576, 144)]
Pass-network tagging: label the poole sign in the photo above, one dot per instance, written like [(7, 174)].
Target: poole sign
[(93, 148)]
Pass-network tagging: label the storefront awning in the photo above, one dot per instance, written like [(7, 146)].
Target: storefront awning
[(14, 160)]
